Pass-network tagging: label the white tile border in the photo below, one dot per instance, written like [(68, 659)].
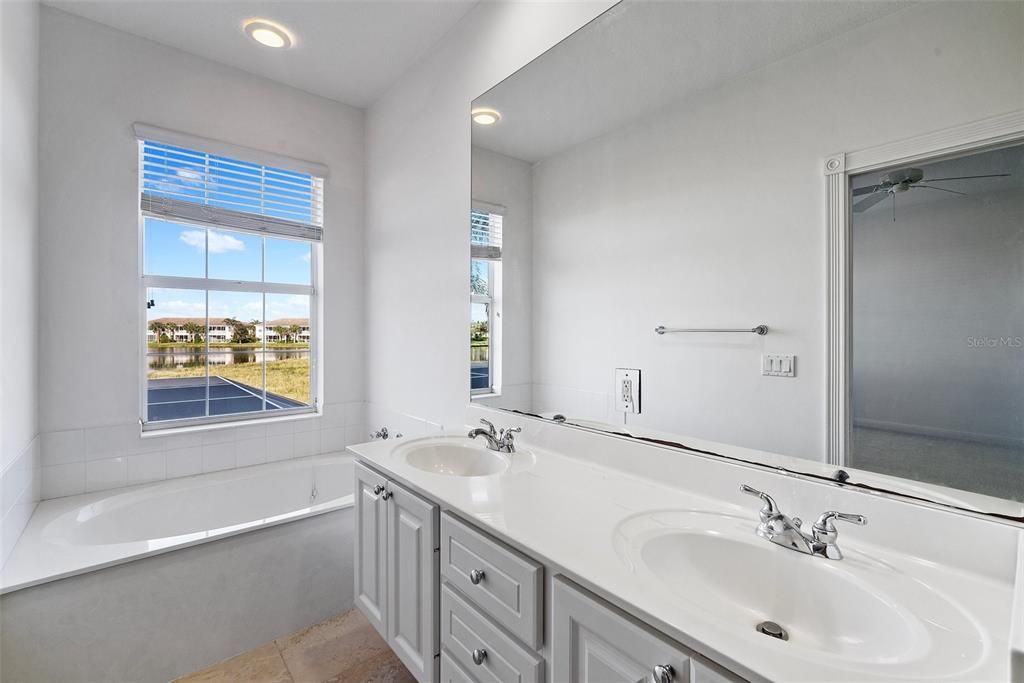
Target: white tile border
[(74, 461)]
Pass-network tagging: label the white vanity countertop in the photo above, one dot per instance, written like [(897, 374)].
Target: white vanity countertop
[(570, 513)]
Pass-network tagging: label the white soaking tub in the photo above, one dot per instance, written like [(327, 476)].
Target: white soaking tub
[(78, 534)]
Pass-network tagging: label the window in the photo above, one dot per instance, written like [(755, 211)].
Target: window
[(485, 287), (230, 251)]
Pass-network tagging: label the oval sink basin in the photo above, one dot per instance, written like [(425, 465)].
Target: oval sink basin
[(452, 458), (860, 610)]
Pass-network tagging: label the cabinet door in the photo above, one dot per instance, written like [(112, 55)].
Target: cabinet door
[(594, 643), (413, 581), (371, 547)]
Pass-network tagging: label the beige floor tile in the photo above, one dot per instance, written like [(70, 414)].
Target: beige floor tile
[(343, 649), (262, 665)]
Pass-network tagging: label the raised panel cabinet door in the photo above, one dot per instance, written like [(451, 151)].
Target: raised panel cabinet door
[(413, 581), (592, 642), (371, 529)]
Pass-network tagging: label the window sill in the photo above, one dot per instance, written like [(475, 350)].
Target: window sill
[(152, 430), (489, 394)]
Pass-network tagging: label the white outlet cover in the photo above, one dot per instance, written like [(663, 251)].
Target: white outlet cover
[(626, 390)]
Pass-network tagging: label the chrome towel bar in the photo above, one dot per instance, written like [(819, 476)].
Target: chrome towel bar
[(760, 329)]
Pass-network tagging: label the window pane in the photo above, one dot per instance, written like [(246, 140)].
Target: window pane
[(288, 261), (479, 346), (288, 351), (479, 277), (176, 385), (236, 380), (236, 358), (235, 256), (174, 249)]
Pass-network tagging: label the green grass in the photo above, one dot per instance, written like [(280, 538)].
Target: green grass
[(284, 377)]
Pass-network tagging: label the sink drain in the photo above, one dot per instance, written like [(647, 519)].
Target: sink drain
[(770, 628)]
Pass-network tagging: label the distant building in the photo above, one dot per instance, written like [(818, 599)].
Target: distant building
[(218, 330)]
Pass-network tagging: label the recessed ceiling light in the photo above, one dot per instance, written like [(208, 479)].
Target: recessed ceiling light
[(266, 32), (486, 117)]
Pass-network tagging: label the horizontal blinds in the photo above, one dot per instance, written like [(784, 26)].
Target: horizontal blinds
[(201, 187), (485, 235)]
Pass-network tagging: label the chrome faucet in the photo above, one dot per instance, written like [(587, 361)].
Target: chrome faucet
[(503, 441), (785, 531)]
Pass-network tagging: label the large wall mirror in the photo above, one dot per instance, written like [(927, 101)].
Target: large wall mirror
[(665, 246)]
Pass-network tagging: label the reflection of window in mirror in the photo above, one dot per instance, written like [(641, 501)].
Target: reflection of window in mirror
[(485, 301), (937, 366)]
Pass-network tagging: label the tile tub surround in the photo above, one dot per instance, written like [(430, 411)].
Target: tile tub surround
[(542, 509), (19, 494), (77, 461), (166, 616), (343, 648)]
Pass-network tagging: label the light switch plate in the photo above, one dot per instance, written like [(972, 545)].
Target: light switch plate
[(627, 390), (778, 365)]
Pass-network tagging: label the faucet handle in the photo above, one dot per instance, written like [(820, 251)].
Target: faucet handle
[(770, 507), (825, 531), (489, 425)]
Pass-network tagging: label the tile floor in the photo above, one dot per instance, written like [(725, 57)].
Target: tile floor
[(343, 649)]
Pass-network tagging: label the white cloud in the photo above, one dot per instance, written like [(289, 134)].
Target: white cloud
[(305, 257), (219, 242)]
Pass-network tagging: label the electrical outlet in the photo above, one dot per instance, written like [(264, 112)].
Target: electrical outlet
[(778, 365), (627, 390)]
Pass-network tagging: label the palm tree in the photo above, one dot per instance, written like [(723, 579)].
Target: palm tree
[(283, 332), (159, 329), (195, 331)]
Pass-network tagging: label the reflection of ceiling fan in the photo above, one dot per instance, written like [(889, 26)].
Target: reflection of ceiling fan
[(901, 180)]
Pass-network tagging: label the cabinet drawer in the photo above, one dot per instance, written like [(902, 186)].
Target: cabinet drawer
[(593, 642), (510, 588), (465, 629), (451, 672)]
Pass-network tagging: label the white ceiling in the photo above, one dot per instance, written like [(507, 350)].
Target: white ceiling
[(639, 57), (347, 50)]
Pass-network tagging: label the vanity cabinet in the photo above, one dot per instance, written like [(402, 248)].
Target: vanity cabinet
[(593, 642), (458, 605), (396, 569)]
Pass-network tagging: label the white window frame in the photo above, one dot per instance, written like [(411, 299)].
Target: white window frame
[(144, 132), (493, 274), (494, 318)]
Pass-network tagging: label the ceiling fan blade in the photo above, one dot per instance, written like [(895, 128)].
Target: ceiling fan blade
[(940, 189), (868, 202), (867, 190), (970, 177)]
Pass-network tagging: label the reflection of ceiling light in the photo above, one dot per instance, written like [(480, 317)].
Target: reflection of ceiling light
[(486, 117), (268, 33)]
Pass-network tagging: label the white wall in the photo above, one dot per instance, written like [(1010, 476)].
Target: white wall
[(716, 210), (946, 272), (418, 184), (502, 180), (19, 244), (95, 82)]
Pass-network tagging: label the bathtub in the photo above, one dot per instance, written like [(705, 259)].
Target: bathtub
[(78, 534)]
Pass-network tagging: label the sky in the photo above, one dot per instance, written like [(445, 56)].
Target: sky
[(187, 251)]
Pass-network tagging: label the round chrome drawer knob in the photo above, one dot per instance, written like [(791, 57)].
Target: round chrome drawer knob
[(663, 673), (378, 489), (479, 655), (476, 576)]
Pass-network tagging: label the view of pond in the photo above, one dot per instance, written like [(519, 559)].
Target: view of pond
[(192, 357)]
